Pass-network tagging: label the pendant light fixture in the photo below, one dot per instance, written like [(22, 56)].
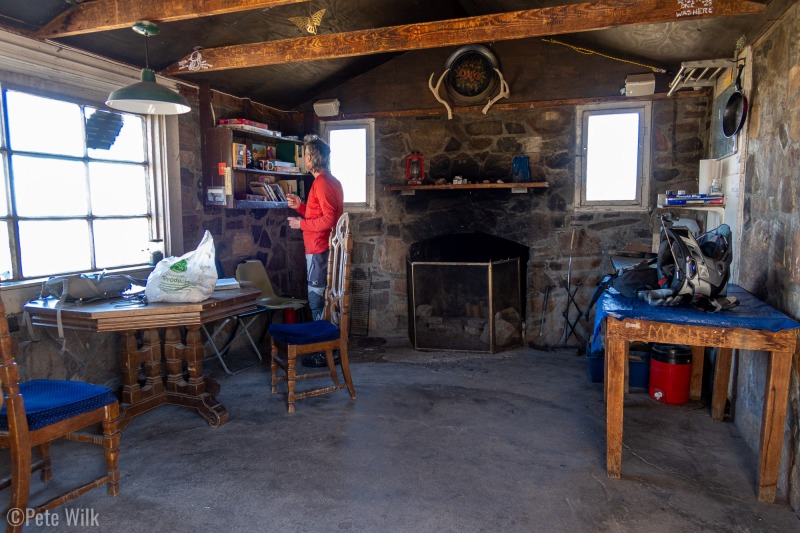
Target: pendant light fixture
[(147, 97)]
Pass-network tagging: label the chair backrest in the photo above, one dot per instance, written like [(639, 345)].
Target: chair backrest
[(254, 272), (9, 384), (337, 295)]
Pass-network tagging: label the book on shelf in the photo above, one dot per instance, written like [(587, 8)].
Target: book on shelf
[(278, 192), (255, 198), (293, 186), (239, 155), (695, 201), (242, 122), (260, 151), (291, 153), (264, 190), (696, 195)]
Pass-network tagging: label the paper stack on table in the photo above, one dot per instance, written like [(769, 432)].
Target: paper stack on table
[(226, 283)]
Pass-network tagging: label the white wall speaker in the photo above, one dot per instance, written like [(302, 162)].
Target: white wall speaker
[(327, 108), (640, 85)]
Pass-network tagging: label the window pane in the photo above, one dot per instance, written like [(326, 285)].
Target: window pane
[(121, 242), (54, 246), (127, 145), (612, 158), (37, 124), (118, 189), (3, 192), (349, 162), (5, 255), (49, 187)]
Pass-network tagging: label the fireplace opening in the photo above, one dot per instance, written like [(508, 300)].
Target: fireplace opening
[(465, 293)]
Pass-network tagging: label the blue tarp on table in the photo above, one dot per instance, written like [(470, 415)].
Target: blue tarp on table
[(751, 313)]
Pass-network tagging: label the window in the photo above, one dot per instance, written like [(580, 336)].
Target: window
[(614, 146), (78, 188), (353, 160)]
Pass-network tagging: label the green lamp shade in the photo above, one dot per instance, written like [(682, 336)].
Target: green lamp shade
[(148, 97)]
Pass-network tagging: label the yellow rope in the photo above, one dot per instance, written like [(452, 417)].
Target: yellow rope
[(587, 51)]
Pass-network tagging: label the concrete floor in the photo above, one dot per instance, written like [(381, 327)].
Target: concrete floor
[(435, 442)]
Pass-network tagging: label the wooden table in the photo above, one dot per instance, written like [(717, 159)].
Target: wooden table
[(187, 390), (629, 320)]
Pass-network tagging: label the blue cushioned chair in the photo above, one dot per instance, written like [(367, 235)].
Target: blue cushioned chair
[(289, 341), (36, 413)]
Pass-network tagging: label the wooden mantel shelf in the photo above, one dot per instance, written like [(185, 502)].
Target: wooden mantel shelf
[(515, 187)]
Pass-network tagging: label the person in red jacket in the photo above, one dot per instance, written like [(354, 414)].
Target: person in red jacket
[(324, 206)]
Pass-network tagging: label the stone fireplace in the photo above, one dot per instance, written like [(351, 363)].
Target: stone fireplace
[(465, 293)]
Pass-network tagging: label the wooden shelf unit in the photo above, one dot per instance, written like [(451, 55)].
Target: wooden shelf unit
[(218, 161)]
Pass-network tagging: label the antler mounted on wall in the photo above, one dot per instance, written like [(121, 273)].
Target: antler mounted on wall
[(504, 92), (435, 91)]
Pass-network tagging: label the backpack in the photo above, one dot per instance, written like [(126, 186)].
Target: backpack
[(628, 282), (84, 288)]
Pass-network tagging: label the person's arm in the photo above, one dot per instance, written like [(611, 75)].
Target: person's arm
[(295, 203)]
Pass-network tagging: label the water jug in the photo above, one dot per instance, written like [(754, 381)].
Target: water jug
[(521, 171)]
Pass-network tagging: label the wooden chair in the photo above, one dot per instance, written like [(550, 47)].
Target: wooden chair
[(289, 341), (39, 411)]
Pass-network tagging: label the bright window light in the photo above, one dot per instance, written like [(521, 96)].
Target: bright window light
[(612, 157), (613, 163), (80, 191), (349, 162)]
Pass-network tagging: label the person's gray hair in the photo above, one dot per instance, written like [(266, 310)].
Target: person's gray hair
[(319, 153)]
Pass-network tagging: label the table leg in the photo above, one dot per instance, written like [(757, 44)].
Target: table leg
[(698, 360), (194, 361), (192, 392), (722, 377), (173, 346), (151, 355), (129, 363), (135, 399), (616, 359), (776, 391)]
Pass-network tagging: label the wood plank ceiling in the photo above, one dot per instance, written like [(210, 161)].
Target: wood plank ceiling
[(252, 49)]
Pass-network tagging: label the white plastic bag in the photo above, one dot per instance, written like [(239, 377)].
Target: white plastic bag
[(188, 278)]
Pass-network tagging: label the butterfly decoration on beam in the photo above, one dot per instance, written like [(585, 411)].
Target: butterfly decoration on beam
[(309, 24)]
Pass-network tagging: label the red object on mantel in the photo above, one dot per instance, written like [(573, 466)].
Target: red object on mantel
[(415, 168)]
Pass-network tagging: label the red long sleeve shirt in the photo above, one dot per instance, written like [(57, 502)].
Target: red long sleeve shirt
[(324, 207)]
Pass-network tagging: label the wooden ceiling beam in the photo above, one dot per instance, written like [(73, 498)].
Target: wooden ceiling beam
[(104, 15), (571, 18)]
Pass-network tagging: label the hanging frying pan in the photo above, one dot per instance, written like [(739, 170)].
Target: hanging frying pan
[(735, 112)]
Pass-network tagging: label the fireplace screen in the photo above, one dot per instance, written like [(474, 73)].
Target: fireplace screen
[(473, 307)]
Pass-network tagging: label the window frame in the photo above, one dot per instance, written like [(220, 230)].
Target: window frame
[(72, 76), (642, 200), (369, 125)]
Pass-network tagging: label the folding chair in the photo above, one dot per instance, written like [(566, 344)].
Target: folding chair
[(254, 272), (241, 326)]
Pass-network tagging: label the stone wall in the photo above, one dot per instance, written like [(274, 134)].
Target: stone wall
[(770, 262), (477, 147)]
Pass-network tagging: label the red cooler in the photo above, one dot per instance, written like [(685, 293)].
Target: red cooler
[(670, 373), (289, 316)]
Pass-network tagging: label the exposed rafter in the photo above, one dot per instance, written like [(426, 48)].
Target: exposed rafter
[(572, 18), (104, 15)]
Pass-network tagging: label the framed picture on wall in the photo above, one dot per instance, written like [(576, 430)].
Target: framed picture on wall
[(215, 196)]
